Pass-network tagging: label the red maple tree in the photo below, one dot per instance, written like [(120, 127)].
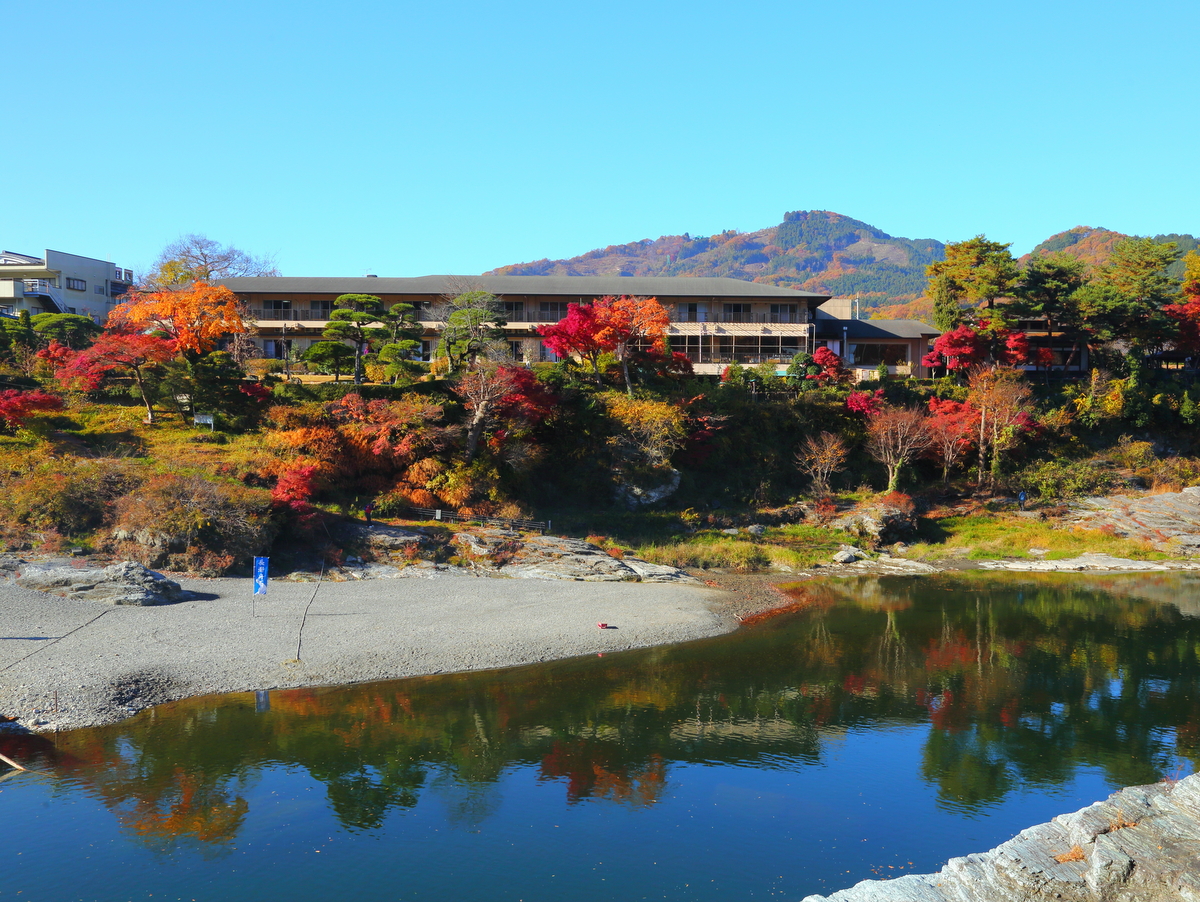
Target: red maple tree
[(17, 406), (576, 335), (951, 426), (120, 351)]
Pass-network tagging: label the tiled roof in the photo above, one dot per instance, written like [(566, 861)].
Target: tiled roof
[(566, 286)]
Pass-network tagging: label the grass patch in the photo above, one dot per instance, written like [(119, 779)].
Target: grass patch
[(706, 553), (992, 536), (793, 547)]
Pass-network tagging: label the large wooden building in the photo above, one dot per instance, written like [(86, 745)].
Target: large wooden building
[(714, 321)]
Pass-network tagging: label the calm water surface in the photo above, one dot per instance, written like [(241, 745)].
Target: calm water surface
[(885, 726)]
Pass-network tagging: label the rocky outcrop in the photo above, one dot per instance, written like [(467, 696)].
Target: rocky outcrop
[(1091, 560), (556, 557), (1170, 521), (392, 553), (379, 536), (1141, 845), (634, 496), (879, 525), (123, 583)]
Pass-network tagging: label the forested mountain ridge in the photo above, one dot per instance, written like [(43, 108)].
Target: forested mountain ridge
[(1094, 246), (813, 250)]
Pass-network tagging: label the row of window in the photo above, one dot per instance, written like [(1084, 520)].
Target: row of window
[(552, 311), (81, 285)]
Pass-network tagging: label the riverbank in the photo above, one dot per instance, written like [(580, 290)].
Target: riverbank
[(69, 663), (1139, 844)]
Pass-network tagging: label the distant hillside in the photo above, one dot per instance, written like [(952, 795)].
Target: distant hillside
[(811, 250), (1094, 246), (818, 251)]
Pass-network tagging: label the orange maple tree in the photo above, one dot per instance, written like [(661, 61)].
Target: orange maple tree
[(194, 318), (628, 321)]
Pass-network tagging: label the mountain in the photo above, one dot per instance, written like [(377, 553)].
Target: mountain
[(812, 250), (1094, 246), (816, 250)]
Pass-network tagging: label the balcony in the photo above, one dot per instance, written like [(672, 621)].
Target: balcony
[(43, 288), (299, 314), (789, 319)]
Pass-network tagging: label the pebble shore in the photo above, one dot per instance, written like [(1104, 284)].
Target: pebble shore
[(69, 663)]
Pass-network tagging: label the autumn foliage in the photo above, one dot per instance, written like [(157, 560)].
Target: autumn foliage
[(618, 325), (120, 352), (193, 318), (17, 406)]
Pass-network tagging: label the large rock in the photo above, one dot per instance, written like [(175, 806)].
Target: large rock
[(378, 536), (880, 525), (1170, 521), (555, 557), (123, 583), (1138, 846), (635, 496)]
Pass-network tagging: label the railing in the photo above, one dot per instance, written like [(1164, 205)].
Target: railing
[(426, 513), (793, 319), (525, 316), (45, 288), (277, 315), (752, 359)]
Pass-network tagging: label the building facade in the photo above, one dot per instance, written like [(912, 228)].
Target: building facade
[(713, 321), (59, 282)]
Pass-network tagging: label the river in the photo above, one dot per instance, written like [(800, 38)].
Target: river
[(883, 726)]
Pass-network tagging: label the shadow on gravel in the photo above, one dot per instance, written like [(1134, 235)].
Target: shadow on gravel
[(198, 596)]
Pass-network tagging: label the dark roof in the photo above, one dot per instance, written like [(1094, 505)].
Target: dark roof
[(876, 328), (567, 286)]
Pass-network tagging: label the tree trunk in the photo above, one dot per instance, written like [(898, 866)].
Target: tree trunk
[(982, 447), (137, 377), (358, 364), (624, 352), (475, 429)]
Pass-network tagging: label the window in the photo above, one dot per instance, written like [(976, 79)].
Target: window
[(514, 311), (77, 284), (552, 311), (100, 289), (785, 313), (875, 354), (737, 313), (320, 309)]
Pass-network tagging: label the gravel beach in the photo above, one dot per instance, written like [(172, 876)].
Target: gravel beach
[(66, 663)]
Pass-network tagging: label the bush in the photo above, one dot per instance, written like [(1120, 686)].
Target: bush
[(194, 524), (71, 496), (1174, 473), (1066, 479), (1133, 455)]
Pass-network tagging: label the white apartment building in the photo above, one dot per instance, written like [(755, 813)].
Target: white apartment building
[(60, 283)]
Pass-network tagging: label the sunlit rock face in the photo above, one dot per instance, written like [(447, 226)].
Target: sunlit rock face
[(1138, 845), (123, 583)]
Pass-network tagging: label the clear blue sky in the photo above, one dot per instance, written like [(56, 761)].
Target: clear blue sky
[(405, 139)]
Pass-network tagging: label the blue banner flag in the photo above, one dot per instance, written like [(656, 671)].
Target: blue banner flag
[(260, 575)]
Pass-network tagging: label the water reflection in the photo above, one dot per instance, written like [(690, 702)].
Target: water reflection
[(1019, 681)]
